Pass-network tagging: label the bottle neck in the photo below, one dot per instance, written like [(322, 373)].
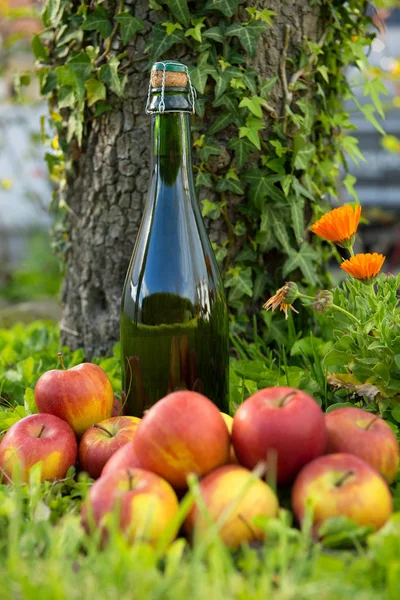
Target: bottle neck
[(172, 147)]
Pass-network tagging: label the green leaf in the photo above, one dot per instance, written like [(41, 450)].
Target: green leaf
[(180, 10), (350, 145), (129, 25), (38, 49), (96, 90), (303, 152), (253, 104), (226, 7), (239, 280), (262, 187), (160, 41), (338, 405), (204, 179), (349, 182), (368, 111), (248, 35), (297, 214), (220, 122), (29, 402), (323, 69), (374, 87), (337, 358), (109, 74), (215, 33), (195, 32), (211, 209), (199, 75), (241, 148), (304, 260), (253, 126), (98, 21), (66, 97), (300, 190)]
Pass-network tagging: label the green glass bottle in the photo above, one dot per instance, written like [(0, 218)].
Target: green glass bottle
[(174, 320)]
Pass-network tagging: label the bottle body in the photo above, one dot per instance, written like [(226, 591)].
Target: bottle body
[(174, 321)]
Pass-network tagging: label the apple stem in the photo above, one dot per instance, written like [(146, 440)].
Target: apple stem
[(60, 358), (41, 430), (371, 422), (343, 478), (282, 402), (103, 429), (130, 479)]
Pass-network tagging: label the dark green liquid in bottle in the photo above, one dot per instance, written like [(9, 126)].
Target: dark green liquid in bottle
[(174, 320)]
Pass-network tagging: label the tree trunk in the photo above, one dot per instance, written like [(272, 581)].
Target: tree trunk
[(107, 186)]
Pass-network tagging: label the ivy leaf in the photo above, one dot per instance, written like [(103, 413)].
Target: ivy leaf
[(66, 97), (221, 122), (129, 25), (248, 35), (215, 33), (209, 149), (203, 179), (98, 21), (372, 88), (267, 86), (51, 13), (297, 214), (226, 7), (161, 41), (262, 186), (212, 210), (38, 49), (180, 10), (253, 104), (303, 152), (240, 281), (109, 74), (304, 260), (229, 101), (230, 185), (272, 218), (171, 27), (323, 69), (96, 90), (300, 190), (350, 145), (349, 182), (241, 148), (195, 32), (368, 111), (253, 126), (199, 75)]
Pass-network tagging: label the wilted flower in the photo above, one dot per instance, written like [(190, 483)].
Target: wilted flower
[(323, 301), (339, 225), (364, 266), (283, 298)]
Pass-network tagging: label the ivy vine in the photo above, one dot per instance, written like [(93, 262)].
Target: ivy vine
[(285, 176)]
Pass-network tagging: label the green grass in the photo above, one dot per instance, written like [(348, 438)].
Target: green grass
[(44, 552)]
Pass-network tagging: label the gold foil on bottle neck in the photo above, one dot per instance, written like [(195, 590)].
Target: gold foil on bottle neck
[(172, 79)]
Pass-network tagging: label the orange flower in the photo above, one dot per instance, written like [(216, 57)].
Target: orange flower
[(364, 266), (339, 225), (283, 298)]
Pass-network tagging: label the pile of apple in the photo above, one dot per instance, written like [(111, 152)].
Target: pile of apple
[(338, 463)]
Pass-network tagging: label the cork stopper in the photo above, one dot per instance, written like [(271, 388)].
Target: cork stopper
[(175, 75)]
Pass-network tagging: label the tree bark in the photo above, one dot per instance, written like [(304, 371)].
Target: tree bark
[(107, 185)]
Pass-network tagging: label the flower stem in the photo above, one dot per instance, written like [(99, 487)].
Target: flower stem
[(335, 307)]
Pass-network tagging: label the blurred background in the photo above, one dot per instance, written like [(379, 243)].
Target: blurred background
[(30, 275)]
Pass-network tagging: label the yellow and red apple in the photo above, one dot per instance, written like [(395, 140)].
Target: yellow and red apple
[(341, 485), (357, 431), (182, 433), (123, 458), (280, 425), (241, 496), (81, 396), (144, 503), (102, 440), (39, 438)]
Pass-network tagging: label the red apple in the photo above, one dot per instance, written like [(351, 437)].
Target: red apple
[(146, 505), (357, 431), (341, 485), (36, 439), (281, 425), (182, 433), (123, 458), (100, 441), (81, 396), (237, 493)]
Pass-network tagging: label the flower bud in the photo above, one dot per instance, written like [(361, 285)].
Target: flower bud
[(323, 301), (290, 292)]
